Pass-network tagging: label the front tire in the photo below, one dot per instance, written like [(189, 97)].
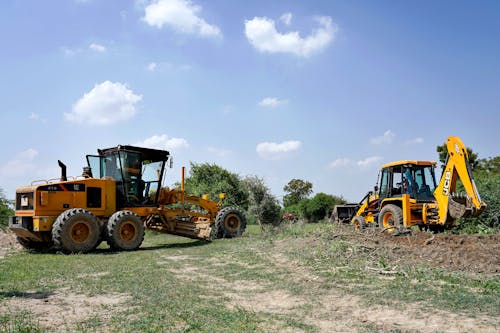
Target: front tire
[(230, 222), (359, 223), (391, 218), (124, 231), (76, 231)]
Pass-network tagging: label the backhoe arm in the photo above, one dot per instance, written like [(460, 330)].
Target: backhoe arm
[(457, 167)]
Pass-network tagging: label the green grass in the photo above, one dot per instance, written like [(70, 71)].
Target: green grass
[(176, 284)]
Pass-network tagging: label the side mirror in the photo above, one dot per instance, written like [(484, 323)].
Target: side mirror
[(171, 164), (375, 189)]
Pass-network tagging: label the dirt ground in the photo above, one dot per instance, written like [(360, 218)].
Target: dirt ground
[(335, 311), (470, 253), (8, 243)]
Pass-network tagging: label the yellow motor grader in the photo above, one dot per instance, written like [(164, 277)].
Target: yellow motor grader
[(407, 195), (119, 194)]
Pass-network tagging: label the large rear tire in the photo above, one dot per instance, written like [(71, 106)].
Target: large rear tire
[(390, 219), (230, 222), (76, 231), (124, 231)]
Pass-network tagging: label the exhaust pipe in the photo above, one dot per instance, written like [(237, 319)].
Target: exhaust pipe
[(63, 171)]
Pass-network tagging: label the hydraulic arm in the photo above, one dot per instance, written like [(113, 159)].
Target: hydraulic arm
[(451, 205)]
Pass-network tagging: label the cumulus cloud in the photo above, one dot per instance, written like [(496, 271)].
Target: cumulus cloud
[(181, 15), (20, 165), (105, 104), (340, 162), (97, 48), (276, 151), (272, 102), (261, 32), (386, 138), (164, 142), (369, 161), (415, 141), (286, 18)]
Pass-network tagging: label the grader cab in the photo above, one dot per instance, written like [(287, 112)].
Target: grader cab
[(119, 194)]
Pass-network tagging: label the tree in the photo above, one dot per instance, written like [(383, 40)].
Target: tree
[(262, 204), (487, 180), (5, 209), (212, 179), (296, 190), (443, 153), (319, 207)]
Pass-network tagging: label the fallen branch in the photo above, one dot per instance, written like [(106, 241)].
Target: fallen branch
[(428, 241), (385, 272)]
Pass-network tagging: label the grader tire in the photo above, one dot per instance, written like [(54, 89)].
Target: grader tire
[(359, 223), (230, 222), (32, 245), (76, 231), (390, 219), (124, 231)]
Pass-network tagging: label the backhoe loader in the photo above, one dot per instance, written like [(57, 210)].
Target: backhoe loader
[(118, 195), (407, 195)]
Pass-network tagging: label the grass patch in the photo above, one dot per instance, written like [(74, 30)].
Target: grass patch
[(174, 284)]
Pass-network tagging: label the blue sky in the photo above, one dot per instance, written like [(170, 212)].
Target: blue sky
[(325, 91)]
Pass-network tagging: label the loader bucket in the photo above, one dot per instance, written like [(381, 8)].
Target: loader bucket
[(343, 213)]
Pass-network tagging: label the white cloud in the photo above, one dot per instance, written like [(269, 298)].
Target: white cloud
[(340, 162), (152, 66), (286, 18), (272, 102), (219, 151), (369, 161), (163, 142), (36, 117), (97, 48), (415, 141), (105, 104), (69, 52), (386, 138), (181, 15), (276, 151), (20, 165), (262, 34)]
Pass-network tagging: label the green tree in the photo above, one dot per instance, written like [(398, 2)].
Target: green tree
[(319, 207), (212, 179), (262, 204), (5, 209), (442, 150), (296, 190), (487, 180)]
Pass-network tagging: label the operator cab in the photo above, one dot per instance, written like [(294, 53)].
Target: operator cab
[(415, 178), (138, 173)]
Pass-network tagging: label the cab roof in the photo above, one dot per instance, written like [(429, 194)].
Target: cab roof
[(153, 155), (406, 162)]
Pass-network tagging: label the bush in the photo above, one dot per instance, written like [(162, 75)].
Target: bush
[(5, 210), (488, 185), (319, 207)]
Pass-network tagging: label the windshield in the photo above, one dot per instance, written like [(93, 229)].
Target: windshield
[(419, 181)]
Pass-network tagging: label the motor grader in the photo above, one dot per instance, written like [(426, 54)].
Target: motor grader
[(407, 195), (119, 194)]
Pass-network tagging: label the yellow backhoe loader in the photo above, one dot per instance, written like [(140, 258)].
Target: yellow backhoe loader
[(407, 195), (119, 194)]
